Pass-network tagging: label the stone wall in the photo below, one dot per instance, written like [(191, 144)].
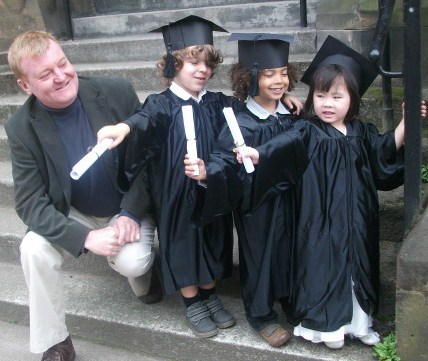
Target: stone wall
[(17, 16)]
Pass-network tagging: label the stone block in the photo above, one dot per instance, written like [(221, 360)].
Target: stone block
[(412, 294)]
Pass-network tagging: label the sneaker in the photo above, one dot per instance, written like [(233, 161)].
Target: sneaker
[(335, 345), (220, 316), (199, 320), (370, 339)]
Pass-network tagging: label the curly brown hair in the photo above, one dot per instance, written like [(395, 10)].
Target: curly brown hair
[(240, 77), (212, 55)]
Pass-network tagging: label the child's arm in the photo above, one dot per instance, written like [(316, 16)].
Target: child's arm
[(116, 132), (399, 131), (292, 103)]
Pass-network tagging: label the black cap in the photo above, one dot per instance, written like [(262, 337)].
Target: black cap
[(335, 52), (189, 31), (261, 51), (268, 51)]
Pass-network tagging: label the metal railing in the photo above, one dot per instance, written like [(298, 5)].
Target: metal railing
[(411, 73)]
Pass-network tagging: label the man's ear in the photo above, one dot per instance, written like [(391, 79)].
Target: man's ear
[(24, 86)]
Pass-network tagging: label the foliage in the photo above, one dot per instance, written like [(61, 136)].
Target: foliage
[(424, 173), (386, 350)]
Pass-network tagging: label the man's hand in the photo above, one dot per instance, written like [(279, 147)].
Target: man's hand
[(104, 241), (129, 230)]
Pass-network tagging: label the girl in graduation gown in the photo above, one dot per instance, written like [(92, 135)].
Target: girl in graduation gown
[(335, 272), (263, 234)]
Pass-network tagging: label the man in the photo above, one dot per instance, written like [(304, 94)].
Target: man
[(52, 131)]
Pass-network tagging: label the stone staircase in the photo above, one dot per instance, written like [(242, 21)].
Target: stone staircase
[(101, 306)]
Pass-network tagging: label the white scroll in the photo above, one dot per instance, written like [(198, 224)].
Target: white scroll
[(237, 137), (189, 128), (83, 165)]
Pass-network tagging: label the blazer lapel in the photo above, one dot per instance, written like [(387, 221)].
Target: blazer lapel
[(47, 132)]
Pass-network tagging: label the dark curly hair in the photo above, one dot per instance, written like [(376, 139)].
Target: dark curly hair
[(213, 59), (240, 77)]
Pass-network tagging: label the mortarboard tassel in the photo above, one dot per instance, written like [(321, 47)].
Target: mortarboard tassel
[(254, 84), (169, 70)]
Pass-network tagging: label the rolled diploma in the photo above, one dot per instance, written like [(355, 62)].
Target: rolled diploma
[(83, 165), (189, 128), (237, 137)]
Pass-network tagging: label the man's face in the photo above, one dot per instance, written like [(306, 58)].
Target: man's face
[(50, 77)]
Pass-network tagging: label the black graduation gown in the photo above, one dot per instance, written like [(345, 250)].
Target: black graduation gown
[(191, 254), (337, 237), (263, 233)]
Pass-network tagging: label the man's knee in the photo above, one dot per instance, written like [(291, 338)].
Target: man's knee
[(132, 261), (38, 251)]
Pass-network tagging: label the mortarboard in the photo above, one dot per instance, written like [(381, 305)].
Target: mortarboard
[(189, 31), (261, 51), (335, 52)]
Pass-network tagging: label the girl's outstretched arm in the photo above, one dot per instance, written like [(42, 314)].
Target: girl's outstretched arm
[(399, 131), (116, 132)]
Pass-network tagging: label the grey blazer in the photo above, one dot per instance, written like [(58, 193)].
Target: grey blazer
[(39, 165)]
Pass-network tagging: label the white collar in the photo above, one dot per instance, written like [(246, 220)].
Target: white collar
[(183, 94), (261, 112)]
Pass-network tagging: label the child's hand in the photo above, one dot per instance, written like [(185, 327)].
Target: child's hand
[(191, 165), (423, 108), (248, 152), (293, 103), (116, 132)]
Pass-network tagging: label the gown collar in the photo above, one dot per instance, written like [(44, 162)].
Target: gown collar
[(183, 94), (262, 113)]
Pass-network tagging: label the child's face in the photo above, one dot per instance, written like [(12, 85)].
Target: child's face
[(273, 83), (194, 75), (332, 106)]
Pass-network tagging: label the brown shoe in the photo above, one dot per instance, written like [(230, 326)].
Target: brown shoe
[(155, 293), (63, 351), (275, 335)]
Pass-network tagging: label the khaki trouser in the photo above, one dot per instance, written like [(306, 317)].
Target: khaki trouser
[(42, 263)]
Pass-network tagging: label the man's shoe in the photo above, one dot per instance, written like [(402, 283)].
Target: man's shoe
[(155, 293), (198, 319), (275, 335), (220, 316), (63, 351)]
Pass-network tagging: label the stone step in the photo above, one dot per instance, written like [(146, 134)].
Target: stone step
[(103, 309), (6, 184), (4, 148), (111, 7), (233, 17), (143, 75), (151, 46)]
